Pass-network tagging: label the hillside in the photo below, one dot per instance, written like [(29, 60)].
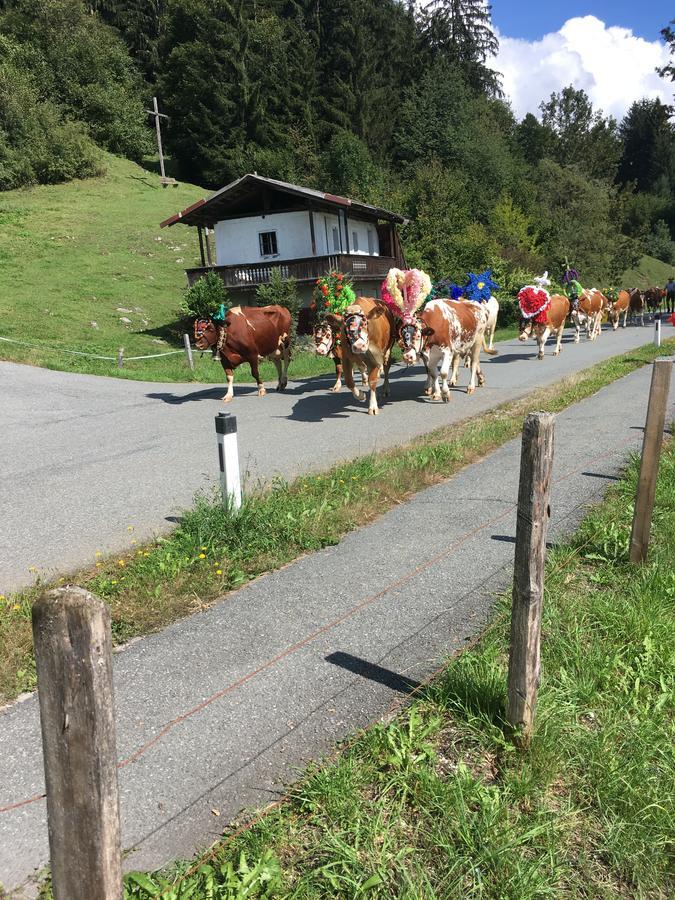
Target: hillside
[(649, 272), (89, 252)]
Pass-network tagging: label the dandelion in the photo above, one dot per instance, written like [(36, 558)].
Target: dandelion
[(17, 606), (130, 527), (98, 565), (32, 568), (133, 541), (98, 553), (219, 571), (202, 548), (114, 581), (146, 553), (121, 562), (202, 555)]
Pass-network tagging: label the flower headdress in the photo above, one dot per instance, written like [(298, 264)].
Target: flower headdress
[(404, 291), (534, 300), (446, 287), (479, 287), (333, 293)]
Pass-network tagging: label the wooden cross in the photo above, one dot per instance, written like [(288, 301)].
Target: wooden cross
[(157, 115)]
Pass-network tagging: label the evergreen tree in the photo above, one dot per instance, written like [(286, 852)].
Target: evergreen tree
[(462, 31), (668, 35), (648, 157)]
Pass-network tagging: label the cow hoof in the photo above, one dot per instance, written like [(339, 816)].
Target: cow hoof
[(540, 356), (446, 398), (261, 392), (335, 388), (227, 399), (555, 353), (428, 392), (470, 390), (435, 396), (373, 412)]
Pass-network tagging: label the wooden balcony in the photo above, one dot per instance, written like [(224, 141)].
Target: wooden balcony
[(307, 270)]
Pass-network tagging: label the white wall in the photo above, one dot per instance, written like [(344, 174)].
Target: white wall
[(237, 239)]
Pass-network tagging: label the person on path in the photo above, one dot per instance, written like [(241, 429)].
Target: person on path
[(670, 294)]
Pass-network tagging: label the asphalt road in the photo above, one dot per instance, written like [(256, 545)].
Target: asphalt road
[(219, 710), (85, 458)]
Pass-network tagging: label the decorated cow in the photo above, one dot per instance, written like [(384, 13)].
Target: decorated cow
[(332, 295), (542, 314)]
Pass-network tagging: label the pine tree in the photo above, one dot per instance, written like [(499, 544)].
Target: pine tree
[(462, 31), (648, 157)]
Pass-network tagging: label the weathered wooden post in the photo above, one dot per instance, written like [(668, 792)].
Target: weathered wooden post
[(649, 464), (73, 655), (120, 357), (228, 459), (188, 352), (536, 463)]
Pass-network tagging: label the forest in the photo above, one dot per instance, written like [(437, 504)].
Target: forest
[(381, 100)]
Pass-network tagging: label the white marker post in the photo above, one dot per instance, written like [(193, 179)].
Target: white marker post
[(228, 457), (657, 332), (188, 352)]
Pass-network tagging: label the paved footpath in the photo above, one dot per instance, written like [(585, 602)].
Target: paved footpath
[(219, 711), (82, 458)]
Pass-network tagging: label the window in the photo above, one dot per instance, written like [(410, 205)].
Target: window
[(355, 242), (371, 243), (268, 243), (336, 240)]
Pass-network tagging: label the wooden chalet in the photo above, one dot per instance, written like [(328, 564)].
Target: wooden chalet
[(256, 224)]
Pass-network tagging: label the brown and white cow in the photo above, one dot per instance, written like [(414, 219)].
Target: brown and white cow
[(636, 305), (449, 331), (588, 313), (251, 333), (556, 316), (368, 334), (616, 307), (328, 342)]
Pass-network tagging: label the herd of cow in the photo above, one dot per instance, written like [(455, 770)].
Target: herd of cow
[(442, 335)]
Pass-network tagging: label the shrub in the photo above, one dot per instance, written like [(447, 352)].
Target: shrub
[(282, 291), (203, 299)]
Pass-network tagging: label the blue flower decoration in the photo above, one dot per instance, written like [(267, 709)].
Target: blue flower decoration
[(446, 287), (479, 287), (570, 276)]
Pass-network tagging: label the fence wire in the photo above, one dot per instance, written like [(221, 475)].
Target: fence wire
[(89, 355)]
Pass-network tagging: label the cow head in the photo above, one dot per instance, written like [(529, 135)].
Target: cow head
[(206, 334), (356, 329), (525, 330), (326, 334), (410, 339)]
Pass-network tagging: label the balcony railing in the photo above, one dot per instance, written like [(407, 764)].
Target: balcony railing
[(302, 270)]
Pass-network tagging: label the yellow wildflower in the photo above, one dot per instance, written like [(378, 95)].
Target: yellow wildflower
[(219, 571), (202, 555)]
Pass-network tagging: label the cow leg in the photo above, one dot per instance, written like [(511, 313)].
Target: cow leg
[(559, 337), (447, 358), (428, 390), (256, 374), (625, 316), (348, 372), (338, 377), (387, 363), (435, 355), (455, 370), (577, 329), (229, 396), (373, 376), (364, 374), (285, 362), (475, 366), (542, 337)]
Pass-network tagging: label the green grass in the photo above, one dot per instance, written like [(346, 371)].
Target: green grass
[(211, 552), (649, 272), (439, 804)]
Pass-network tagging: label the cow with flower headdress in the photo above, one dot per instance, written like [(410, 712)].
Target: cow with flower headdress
[(542, 314), (444, 332), (478, 288), (333, 293)]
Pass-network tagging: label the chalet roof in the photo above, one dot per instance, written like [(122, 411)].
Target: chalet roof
[(250, 193)]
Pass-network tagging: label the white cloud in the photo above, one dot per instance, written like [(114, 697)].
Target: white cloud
[(613, 66)]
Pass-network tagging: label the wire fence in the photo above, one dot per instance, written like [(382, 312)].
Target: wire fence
[(119, 359)]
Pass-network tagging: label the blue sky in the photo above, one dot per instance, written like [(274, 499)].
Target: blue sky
[(532, 19)]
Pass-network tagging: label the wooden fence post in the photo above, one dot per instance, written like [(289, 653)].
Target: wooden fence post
[(73, 655), (188, 351), (536, 463), (651, 452), (120, 357)]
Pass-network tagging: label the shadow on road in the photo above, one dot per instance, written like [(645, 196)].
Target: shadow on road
[(373, 672)]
